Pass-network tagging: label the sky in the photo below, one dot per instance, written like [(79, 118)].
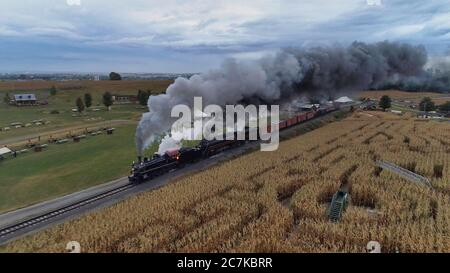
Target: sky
[(197, 35)]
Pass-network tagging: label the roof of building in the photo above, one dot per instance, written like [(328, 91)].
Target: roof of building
[(4, 151), (24, 97), (344, 99)]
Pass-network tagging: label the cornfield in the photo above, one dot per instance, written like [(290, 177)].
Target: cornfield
[(277, 202)]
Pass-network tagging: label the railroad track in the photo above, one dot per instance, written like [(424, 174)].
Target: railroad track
[(12, 229)]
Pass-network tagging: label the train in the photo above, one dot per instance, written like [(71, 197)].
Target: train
[(146, 169)]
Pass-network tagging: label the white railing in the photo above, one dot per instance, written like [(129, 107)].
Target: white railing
[(404, 173)]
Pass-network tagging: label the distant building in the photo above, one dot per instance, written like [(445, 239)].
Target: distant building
[(4, 151), (344, 100), (125, 99), (25, 100), (432, 114)]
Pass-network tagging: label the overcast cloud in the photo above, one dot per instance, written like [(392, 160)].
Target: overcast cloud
[(193, 36)]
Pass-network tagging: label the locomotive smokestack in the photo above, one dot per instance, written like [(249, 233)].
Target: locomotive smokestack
[(139, 159)]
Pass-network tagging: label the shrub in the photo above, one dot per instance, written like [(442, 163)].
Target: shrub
[(406, 140), (438, 170)]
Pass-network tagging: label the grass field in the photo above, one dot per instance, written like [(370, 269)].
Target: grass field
[(415, 97), (66, 168), (277, 202), (64, 102), (95, 87)]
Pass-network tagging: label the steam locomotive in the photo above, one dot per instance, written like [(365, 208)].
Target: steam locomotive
[(149, 168)]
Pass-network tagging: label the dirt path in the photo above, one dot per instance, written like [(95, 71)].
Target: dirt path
[(45, 135)]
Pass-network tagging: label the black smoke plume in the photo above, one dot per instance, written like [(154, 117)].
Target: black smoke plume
[(319, 72)]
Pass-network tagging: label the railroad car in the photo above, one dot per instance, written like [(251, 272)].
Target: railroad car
[(189, 155), (282, 125), (310, 115), (212, 147), (291, 122), (301, 117)]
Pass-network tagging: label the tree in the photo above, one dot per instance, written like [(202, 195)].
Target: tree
[(53, 91), (139, 96), (88, 100), (113, 76), (143, 97), (80, 105), (385, 102), (427, 105), (7, 98), (107, 100), (445, 107)]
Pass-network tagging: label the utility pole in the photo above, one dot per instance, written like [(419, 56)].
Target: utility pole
[(425, 109)]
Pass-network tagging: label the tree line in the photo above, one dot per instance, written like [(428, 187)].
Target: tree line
[(426, 104), (86, 101), (108, 101)]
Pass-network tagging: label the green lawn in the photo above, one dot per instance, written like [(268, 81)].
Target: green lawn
[(403, 108), (64, 102), (10, 114), (66, 168)]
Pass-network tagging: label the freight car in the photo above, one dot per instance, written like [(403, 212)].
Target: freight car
[(148, 169)]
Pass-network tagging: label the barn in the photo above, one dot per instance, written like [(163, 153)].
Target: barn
[(25, 100)]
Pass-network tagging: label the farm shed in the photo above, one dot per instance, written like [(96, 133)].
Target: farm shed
[(24, 100), (4, 151)]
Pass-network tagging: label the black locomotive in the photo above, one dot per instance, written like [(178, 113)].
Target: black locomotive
[(147, 169)]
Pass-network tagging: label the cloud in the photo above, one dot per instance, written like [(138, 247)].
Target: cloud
[(73, 2), (203, 29)]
